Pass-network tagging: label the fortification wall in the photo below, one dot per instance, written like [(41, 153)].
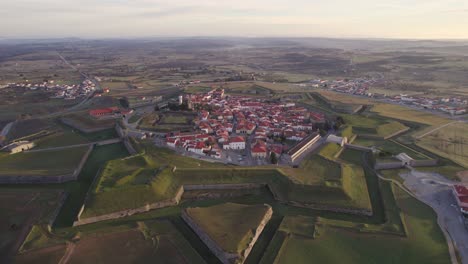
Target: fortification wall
[(226, 257), (124, 213), (191, 187), (397, 133), (30, 179), (72, 123), (257, 233), (357, 147), (51, 221), (108, 141), (363, 212), (424, 163), (129, 146), (388, 165)]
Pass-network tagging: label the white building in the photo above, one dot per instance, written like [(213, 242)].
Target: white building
[(19, 146), (237, 143), (337, 140)]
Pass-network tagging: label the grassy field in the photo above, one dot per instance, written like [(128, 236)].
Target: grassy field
[(77, 190), (230, 225), (149, 178), (85, 122), (424, 243), (50, 162), (408, 114), (39, 237), (24, 128), (314, 169), (131, 246), (65, 137), (47, 255), (448, 142)]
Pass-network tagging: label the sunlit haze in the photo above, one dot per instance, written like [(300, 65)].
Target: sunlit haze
[(260, 18)]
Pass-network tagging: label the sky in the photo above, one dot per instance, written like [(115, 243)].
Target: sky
[(410, 19)]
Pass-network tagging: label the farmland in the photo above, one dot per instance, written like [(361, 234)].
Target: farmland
[(449, 142)]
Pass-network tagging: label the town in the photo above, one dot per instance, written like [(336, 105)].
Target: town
[(259, 129), (60, 91)]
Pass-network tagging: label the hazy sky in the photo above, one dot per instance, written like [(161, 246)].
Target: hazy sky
[(257, 18)]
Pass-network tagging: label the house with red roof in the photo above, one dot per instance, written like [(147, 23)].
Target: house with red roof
[(237, 143), (461, 196), (172, 142), (259, 149)]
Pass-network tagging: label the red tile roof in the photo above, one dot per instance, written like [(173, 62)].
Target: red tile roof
[(461, 190)]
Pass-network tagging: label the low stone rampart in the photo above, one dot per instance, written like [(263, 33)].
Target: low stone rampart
[(31, 179), (124, 213), (388, 165), (223, 256), (424, 163)]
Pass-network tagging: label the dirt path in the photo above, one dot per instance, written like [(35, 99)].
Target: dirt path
[(435, 129), (68, 253)]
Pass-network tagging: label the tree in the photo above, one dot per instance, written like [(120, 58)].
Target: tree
[(273, 158)]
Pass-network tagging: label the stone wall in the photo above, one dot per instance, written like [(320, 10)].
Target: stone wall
[(399, 164), (424, 163), (108, 141), (124, 213), (71, 123), (23, 179), (191, 187), (357, 147), (258, 231), (388, 165), (51, 221), (227, 257)]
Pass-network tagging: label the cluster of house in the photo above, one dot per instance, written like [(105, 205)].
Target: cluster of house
[(109, 112), (63, 91), (234, 122), (451, 105), (360, 86)]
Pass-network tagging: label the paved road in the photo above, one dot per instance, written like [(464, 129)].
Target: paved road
[(435, 190)]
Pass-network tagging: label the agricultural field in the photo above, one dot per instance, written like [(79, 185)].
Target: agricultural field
[(449, 142), (42, 163)]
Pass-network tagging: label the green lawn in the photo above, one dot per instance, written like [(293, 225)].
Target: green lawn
[(230, 225), (63, 138), (315, 169), (149, 178), (50, 162)]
